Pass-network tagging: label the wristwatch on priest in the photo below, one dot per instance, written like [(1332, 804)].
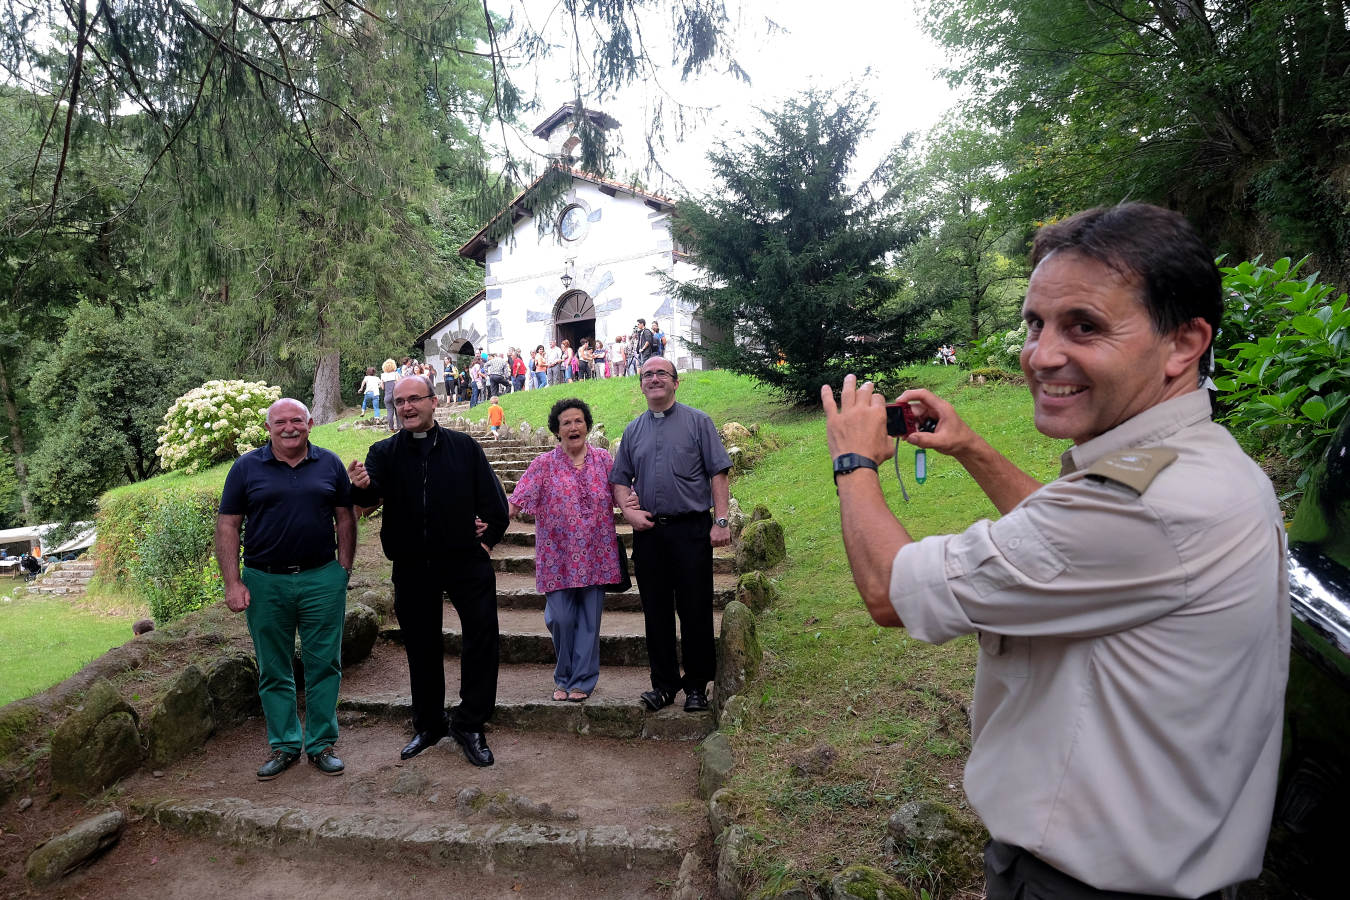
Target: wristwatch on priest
[(721, 522)]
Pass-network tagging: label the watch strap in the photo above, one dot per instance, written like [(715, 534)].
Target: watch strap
[(849, 462)]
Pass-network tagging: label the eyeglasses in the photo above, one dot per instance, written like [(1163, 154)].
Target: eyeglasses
[(404, 401), (657, 374)]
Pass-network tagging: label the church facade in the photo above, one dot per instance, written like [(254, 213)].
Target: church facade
[(590, 273)]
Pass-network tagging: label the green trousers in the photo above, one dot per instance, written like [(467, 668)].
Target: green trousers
[(314, 604)]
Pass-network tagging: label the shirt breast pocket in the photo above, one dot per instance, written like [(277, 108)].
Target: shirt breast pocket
[(685, 460), (1005, 655)]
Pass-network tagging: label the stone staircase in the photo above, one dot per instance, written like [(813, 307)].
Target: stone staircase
[(598, 798), (64, 578)]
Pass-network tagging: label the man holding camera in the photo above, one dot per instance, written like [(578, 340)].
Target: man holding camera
[(1133, 614)]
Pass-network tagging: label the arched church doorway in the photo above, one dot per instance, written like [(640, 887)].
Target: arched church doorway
[(574, 319)]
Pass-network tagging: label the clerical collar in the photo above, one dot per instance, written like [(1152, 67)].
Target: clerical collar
[(421, 435), (663, 413)]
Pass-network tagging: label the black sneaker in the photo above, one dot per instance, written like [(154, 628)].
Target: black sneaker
[(278, 762), (695, 701), (655, 700), (327, 762)]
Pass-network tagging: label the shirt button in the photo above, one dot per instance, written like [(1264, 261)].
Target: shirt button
[(1014, 543)]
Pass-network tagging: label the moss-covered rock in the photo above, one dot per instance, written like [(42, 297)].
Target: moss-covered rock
[(757, 591), (738, 651), (360, 628), (716, 760), (67, 852), (181, 721), (97, 744), (232, 682), (866, 883), (949, 846), (762, 546)]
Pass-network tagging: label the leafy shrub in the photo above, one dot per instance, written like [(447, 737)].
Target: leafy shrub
[(1283, 357), (1000, 351), (173, 558), (217, 421)]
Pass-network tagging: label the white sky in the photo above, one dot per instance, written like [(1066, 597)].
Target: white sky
[(823, 45)]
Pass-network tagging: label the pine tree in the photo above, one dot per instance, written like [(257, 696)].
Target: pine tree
[(796, 289)]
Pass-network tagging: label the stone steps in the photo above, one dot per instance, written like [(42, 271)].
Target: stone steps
[(518, 558), (378, 687), (517, 591), (556, 802), (65, 578), (525, 637)]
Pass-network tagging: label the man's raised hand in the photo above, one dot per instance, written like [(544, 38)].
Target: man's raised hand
[(857, 423), (356, 471)]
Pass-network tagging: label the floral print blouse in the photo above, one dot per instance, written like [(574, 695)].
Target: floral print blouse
[(573, 508)]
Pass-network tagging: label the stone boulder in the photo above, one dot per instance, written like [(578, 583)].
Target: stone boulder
[(64, 853), (737, 517), (948, 845), (729, 861), (360, 628), (734, 433), (598, 439), (738, 651), (731, 712), (181, 721), (757, 591), (716, 760), (232, 682), (525, 429), (762, 546), (866, 883), (759, 514), (380, 599), (98, 744), (787, 890), (724, 808)]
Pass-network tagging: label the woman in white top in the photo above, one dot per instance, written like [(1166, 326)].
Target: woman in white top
[(370, 391)]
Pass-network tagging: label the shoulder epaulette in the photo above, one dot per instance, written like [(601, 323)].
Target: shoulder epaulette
[(1135, 468)]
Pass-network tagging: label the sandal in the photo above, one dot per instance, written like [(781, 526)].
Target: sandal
[(576, 696), (560, 694)]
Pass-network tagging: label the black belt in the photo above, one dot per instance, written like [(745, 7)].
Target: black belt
[(291, 569), (681, 517)]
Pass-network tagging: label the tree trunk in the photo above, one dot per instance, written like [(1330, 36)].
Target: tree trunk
[(327, 389), (17, 447)]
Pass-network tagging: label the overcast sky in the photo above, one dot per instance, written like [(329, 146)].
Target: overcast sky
[(821, 44)]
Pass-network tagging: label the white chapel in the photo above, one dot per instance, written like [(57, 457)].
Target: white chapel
[(591, 273)]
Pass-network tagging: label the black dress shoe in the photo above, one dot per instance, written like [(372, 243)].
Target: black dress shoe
[(695, 701), (474, 745), (655, 699), (278, 762), (326, 761), (421, 741)]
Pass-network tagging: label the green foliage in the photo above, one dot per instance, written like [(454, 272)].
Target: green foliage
[(219, 420), (1000, 351), (173, 561), (796, 291), (1283, 357), (1233, 112), (100, 395)]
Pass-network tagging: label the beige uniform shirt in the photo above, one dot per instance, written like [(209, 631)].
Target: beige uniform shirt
[(1134, 649)]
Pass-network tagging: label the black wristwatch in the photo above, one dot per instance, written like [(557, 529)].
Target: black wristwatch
[(849, 462)]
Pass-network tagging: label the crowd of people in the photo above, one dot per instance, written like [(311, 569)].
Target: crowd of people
[(480, 378)]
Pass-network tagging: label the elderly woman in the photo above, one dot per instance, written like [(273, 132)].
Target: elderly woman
[(576, 554)]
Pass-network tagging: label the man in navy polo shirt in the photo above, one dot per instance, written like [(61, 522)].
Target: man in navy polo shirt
[(296, 499)]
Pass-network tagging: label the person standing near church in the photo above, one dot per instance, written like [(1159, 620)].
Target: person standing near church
[(671, 468), (291, 502), (436, 485)]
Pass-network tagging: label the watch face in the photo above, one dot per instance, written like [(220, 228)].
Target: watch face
[(572, 223)]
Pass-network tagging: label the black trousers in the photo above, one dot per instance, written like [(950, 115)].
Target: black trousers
[(1011, 873), (418, 591), (673, 564)]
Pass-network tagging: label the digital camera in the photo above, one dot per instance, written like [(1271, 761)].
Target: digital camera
[(901, 420)]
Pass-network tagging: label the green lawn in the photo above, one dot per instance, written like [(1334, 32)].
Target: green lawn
[(45, 640)]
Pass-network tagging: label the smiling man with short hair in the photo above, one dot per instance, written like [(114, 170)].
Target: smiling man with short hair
[(292, 501), (1133, 614)]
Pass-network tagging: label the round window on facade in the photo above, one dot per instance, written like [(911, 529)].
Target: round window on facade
[(572, 223)]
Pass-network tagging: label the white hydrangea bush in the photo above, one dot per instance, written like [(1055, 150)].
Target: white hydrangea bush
[(219, 420)]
